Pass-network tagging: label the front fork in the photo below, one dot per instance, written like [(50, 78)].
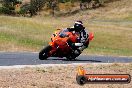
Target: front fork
[(53, 50)]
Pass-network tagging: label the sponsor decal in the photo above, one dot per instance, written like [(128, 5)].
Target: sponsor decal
[(83, 78)]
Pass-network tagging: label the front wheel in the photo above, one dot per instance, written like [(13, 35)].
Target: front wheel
[(43, 54)]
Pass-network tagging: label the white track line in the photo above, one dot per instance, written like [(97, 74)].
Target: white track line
[(57, 65), (41, 65)]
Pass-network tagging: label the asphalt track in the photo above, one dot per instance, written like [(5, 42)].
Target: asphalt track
[(29, 58)]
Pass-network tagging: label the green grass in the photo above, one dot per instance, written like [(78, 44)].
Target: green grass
[(129, 17), (24, 32), (111, 41), (108, 51), (20, 40)]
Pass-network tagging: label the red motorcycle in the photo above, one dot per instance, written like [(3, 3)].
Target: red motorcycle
[(59, 47)]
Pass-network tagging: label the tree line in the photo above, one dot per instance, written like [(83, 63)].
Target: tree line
[(16, 7)]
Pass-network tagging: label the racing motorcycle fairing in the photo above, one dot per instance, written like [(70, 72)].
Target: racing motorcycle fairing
[(60, 47)]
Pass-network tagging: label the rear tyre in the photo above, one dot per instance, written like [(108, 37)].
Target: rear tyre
[(43, 54), (73, 56)]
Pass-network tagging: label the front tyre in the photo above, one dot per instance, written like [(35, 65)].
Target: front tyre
[(43, 54)]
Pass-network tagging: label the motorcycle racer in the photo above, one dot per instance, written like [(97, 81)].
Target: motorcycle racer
[(82, 39), (69, 42)]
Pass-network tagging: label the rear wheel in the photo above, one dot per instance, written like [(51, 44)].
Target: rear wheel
[(73, 55), (43, 54)]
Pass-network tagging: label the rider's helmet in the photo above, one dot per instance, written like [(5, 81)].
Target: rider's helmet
[(78, 26)]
